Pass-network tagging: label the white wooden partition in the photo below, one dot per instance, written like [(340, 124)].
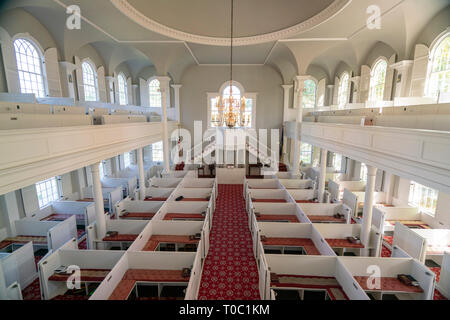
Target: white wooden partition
[(129, 185), (19, 266), (410, 242), (154, 192), (326, 209), (86, 209), (444, 282), (297, 183), (128, 205)]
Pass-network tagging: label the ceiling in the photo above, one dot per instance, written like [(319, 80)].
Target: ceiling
[(289, 35)]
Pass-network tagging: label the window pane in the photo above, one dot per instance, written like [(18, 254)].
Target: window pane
[(157, 152), (155, 93), (423, 198), (47, 191), (377, 81), (439, 78), (309, 94), (89, 82), (29, 67), (123, 90), (127, 159), (343, 90), (306, 153)]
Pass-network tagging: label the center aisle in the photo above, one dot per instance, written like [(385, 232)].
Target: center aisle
[(230, 271)]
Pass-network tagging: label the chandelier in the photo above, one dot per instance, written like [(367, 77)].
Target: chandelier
[(231, 110)]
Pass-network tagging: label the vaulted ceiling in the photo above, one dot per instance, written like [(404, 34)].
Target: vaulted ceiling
[(289, 35)]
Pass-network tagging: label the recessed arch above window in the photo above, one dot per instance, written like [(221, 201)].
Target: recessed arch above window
[(30, 67), (90, 83), (123, 90), (309, 94), (154, 89), (343, 90), (378, 80), (438, 80)]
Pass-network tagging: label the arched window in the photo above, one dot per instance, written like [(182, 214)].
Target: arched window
[(123, 90), (439, 76), (29, 66), (89, 82), (155, 93), (343, 90), (235, 92), (309, 94), (377, 80)]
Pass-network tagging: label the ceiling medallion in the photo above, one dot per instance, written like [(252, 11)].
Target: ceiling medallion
[(127, 9)]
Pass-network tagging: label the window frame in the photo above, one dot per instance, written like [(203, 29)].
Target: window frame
[(435, 46), (54, 187), (345, 74), (304, 152), (311, 80), (431, 212), (88, 62), (40, 52), (154, 94), (372, 86), (159, 150), (127, 160), (121, 76)]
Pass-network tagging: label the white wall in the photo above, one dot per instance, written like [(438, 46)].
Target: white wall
[(199, 80)]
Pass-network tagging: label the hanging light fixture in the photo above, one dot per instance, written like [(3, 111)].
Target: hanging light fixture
[(231, 110)]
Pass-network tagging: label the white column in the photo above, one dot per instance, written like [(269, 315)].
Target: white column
[(330, 94), (176, 98), (135, 94), (98, 199), (164, 85), (368, 207), (355, 93), (323, 174), (390, 182), (286, 89), (298, 96), (140, 163)]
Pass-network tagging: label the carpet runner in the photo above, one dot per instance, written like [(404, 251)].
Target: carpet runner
[(230, 271)]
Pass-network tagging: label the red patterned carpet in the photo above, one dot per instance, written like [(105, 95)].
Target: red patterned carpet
[(230, 271)]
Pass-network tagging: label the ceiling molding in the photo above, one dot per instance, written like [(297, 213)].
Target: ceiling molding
[(128, 10), (312, 39)]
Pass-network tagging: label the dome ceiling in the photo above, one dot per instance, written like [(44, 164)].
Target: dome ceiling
[(208, 21)]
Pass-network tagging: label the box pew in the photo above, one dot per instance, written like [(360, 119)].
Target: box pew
[(92, 265), (137, 209), (336, 236), (409, 241), (155, 194), (313, 273), (44, 234), (196, 275), (119, 118), (176, 233), (282, 236), (336, 188), (138, 268), (129, 185), (408, 216), (110, 197), (378, 276), (183, 211), (278, 212), (269, 195), (355, 200), (303, 195), (84, 212), (437, 243), (127, 232), (164, 183), (192, 194), (19, 266), (325, 212), (293, 184), (288, 175), (197, 183), (263, 184)]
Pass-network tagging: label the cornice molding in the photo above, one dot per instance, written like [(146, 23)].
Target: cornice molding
[(132, 13)]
